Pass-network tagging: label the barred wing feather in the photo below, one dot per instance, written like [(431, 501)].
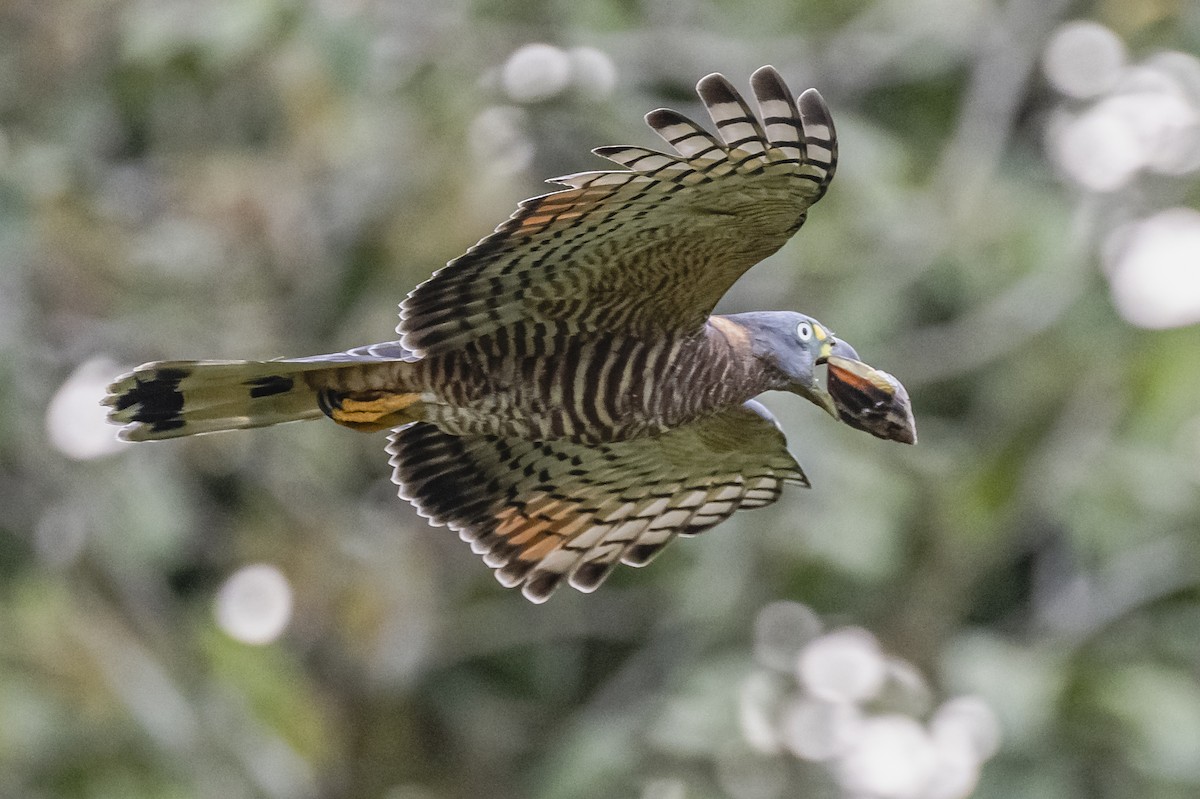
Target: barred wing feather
[(647, 249), (542, 512)]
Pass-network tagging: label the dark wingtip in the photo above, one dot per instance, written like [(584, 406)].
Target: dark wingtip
[(664, 117), (715, 88), (589, 576), (811, 102), (768, 84), (540, 585)]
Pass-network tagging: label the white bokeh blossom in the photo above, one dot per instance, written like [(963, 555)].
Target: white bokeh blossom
[(862, 714), (536, 72), (254, 605), (75, 420), (845, 665), (1153, 269)]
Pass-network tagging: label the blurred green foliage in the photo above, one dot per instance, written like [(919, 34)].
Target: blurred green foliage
[(266, 178)]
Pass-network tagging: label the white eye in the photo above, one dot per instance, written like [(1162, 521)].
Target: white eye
[(804, 331)]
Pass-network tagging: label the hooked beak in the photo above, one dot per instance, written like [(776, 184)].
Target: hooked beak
[(860, 395), (831, 347), (836, 347)]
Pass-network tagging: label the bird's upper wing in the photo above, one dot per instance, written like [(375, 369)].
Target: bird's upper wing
[(540, 512), (648, 248)]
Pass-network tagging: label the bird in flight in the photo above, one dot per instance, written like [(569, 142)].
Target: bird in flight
[(561, 395)]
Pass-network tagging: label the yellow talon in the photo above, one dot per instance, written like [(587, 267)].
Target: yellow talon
[(380, 412)]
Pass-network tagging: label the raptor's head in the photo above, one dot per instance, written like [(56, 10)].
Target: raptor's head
[(859, 395)]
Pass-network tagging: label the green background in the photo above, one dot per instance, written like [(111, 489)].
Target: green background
[(261, 178)]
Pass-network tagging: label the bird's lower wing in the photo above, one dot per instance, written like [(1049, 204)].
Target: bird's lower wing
[(539, 512)]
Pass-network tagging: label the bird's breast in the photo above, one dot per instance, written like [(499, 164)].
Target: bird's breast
[(587, 388)]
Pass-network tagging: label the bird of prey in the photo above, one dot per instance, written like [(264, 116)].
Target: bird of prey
[(561, 395)]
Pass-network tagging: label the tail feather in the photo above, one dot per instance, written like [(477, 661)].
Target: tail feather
[(170, 399)]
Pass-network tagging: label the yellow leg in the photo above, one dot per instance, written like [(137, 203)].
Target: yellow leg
[(375, 410)]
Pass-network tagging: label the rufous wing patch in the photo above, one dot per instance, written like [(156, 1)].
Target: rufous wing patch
[(546, 513)]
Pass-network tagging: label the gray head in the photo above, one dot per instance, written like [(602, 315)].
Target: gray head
[(860, 395), (795, 345)]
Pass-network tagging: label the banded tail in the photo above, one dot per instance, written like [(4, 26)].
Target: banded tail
[(170, 399)]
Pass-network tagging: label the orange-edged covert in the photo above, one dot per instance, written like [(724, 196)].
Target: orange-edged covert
[(561, 395)]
